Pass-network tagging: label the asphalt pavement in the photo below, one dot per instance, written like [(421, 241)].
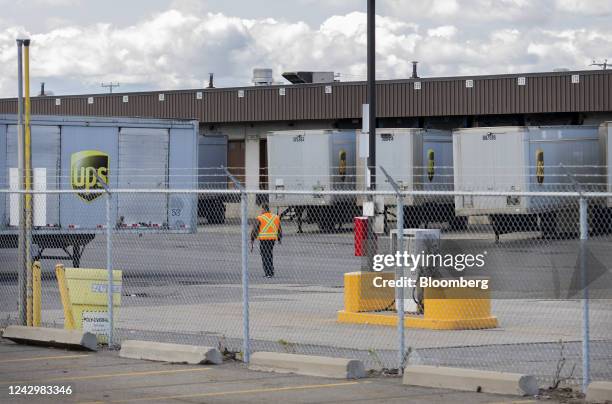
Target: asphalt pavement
[(103, 377), (187, 288)]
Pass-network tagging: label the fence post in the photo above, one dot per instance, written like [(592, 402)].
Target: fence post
[(244, 217), (109, 267), (399, 292), (109, 259), (399, 272), (584, 235), (244, 202)]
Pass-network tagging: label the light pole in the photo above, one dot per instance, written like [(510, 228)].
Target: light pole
[(372, 91), (22, 271)]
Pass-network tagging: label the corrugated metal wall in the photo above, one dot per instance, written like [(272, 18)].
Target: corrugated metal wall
[(542, 93)]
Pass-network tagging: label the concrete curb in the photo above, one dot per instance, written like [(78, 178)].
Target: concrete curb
[(599, 392), (471, 380), (320, 366), (174, 353), (55, 337)]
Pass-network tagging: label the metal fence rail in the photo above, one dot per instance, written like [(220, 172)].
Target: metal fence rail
[(549, 266)]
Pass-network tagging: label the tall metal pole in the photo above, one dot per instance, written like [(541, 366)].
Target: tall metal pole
[(584, 235), (20, 162), (372, 90), (28, 180)]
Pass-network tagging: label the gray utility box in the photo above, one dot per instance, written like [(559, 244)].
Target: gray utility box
[(526, 159), (417, 160), (212, 158), (127, 153), (313, 161)]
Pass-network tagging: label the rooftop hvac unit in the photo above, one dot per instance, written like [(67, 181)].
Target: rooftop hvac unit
[(309, 77), (262, 77)]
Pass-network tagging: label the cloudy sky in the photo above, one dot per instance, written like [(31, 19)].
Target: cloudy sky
[(171, 44)]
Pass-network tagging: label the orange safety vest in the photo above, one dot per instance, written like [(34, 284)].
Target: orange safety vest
[(269, 225)]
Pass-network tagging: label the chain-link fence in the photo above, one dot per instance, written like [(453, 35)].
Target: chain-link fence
[(191, 275)]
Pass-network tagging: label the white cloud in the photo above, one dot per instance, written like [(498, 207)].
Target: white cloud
[(445, 31), (176, 49), (51, 3), (587, 7)]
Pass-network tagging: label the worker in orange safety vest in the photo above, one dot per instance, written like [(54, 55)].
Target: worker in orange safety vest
[(267, 229)]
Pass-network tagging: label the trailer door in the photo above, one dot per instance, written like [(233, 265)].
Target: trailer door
[(212, 156), (4, 181), (477, 157), (437, 161), (510, 162), (143, 164)]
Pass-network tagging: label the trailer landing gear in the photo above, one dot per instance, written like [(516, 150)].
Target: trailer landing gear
[(72, 244)]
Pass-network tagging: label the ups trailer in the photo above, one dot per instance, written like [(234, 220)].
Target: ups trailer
[(417, 160), (315, 161), (212, 158), (527, 159), (76, 154), (605, 134)]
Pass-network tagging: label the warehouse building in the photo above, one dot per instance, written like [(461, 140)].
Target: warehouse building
[(316, 101)]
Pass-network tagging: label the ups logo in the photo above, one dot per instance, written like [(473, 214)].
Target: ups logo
[(84, 166)]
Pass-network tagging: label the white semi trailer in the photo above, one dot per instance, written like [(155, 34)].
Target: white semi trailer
[(417, 160), (525, 159), (605, 134), (313, 161)]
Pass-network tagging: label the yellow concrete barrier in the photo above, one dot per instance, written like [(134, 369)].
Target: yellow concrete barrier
[(360, 295), (29, 292), (449, 306), (36, 294), (89, 298)]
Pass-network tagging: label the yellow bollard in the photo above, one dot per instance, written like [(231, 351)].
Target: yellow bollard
[(60, 273), (37, 294), (29, 291)]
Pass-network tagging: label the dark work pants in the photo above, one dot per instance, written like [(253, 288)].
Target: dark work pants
[(266, 248)]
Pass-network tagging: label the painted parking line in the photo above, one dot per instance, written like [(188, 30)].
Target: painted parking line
[(41, 358), (239, 392), (107, 376)]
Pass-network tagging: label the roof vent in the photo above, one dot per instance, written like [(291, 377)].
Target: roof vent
[(262, 77)]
